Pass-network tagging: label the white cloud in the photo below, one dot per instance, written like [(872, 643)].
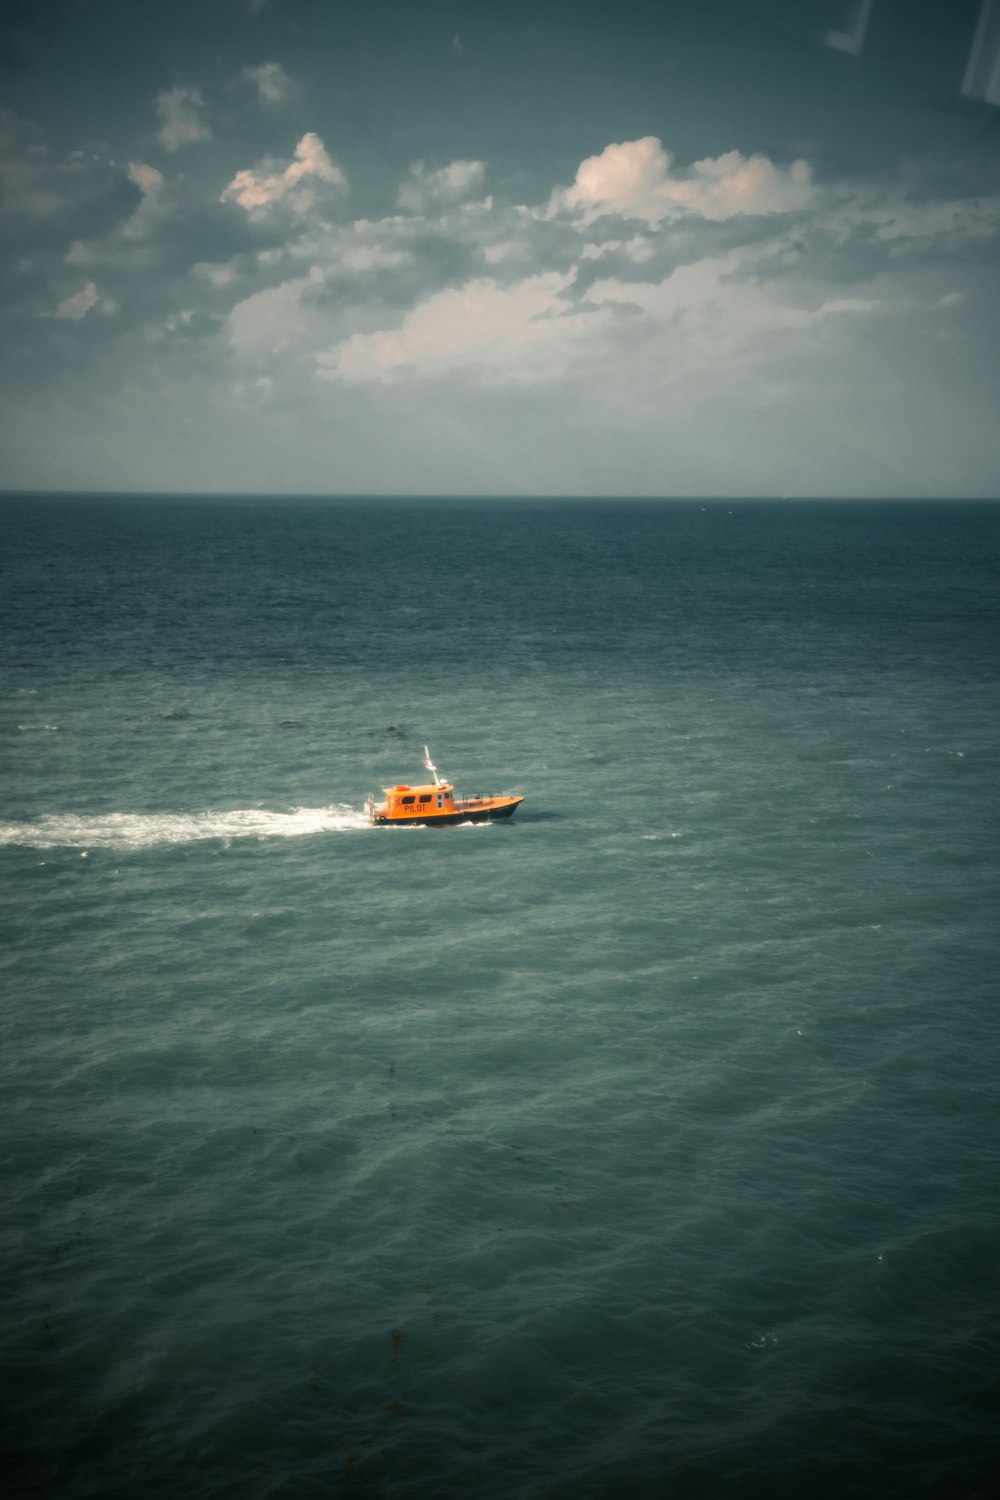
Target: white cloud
[(950, 299), (523, 328), (180, 110), (454, 183), (268, 183), (638, 249), (634, 179), (373, 257), (525, 323), (271, 322), (500, 250), (845, 305), (79, 305), (217, 273), (144, 177), (708, 321), (707, 295), (255, 7), (274, 87)]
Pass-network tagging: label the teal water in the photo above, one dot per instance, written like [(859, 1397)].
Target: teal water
[(644, 1146)]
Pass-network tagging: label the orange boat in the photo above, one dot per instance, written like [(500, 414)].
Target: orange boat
[(435, 804)]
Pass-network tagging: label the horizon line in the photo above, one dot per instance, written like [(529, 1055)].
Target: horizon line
[(418, 495)]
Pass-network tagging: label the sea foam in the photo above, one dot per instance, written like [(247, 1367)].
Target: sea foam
[(143, 830)]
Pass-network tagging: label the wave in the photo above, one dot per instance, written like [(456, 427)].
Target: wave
[(143, 830)]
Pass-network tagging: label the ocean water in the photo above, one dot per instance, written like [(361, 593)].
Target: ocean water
[(645, 1146)]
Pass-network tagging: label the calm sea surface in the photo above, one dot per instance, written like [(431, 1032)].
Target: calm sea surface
[(646, 1146)]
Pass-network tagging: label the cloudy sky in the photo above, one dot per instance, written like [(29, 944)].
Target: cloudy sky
[(739, 247)]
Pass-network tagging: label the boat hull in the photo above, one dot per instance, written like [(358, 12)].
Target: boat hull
[(496, 811)]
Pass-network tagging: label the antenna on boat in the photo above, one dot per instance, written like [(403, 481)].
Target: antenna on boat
[(431, 766)]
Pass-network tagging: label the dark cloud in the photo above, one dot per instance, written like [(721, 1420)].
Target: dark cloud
[(884, 236), (96, 212), (676, 244), (47, 203), (100, 213), (427, 262), (191, 229)]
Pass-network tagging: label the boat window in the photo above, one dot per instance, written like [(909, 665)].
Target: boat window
[(407, 800), (427, 797)]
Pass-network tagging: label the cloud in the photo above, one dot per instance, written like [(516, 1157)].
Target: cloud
[(272, 322), (634, 179), (179, 110), (844, 305), (255, 7), (501, 291), (619, 327), (451, 184), (274, 87), (708, 301), (479, 324), (47, 202), (79, 305), (457, 45), (25, 169), (268, 183), (150, 183), (378, 269), (958, 219), (148, 179)]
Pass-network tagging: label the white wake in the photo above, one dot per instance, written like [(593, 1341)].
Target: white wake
[(143, 830)]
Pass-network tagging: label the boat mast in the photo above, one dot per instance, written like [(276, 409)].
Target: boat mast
[(431, 766)]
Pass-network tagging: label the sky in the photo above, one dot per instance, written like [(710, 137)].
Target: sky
[(530, 247)]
